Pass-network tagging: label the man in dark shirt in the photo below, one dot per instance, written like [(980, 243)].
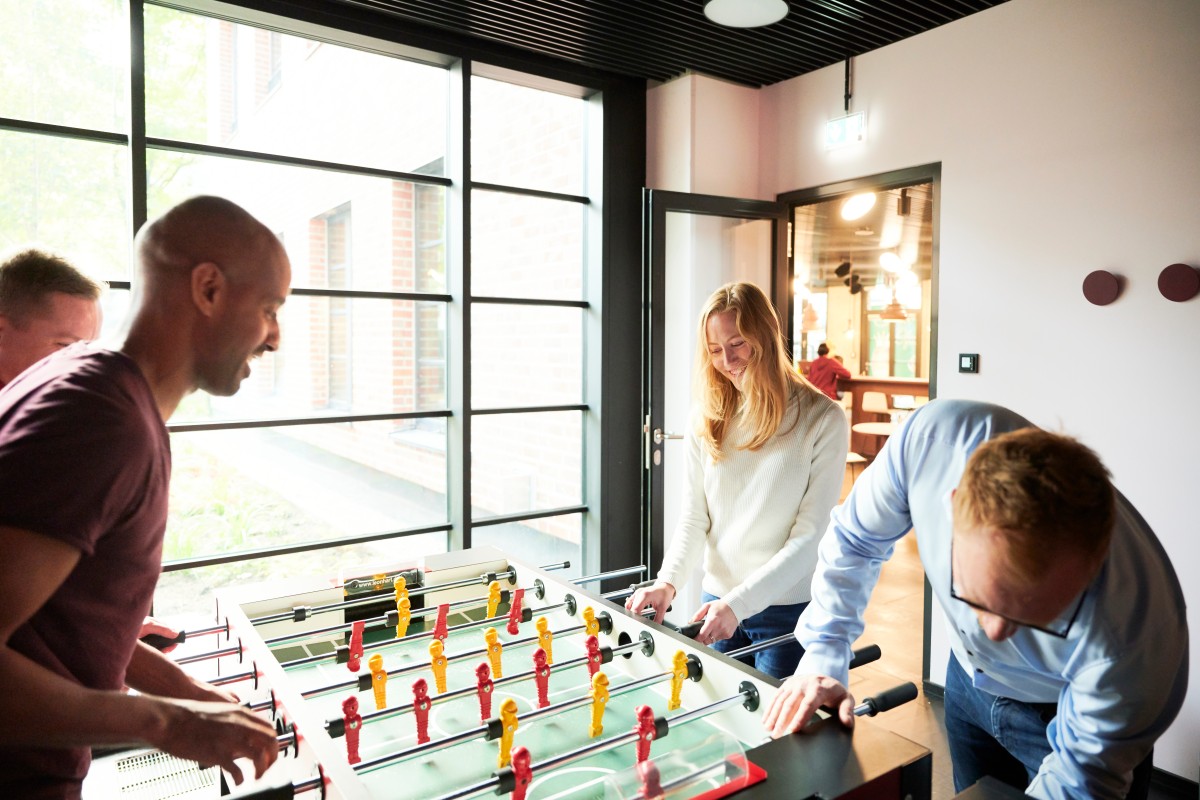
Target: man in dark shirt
[(823, 372), (85, 462)]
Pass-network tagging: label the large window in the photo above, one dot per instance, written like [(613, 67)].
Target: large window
[(441, 312)]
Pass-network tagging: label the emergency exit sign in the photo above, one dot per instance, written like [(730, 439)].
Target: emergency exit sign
[(846, 130)]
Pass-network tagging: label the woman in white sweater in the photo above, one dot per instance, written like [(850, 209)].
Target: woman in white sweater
[(765, 461)]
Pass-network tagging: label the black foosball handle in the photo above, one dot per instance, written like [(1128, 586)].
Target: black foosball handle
[(887, 700), (160, 642), (865, 655)]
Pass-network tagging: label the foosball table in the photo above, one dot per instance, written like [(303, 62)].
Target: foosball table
[(470, 674)]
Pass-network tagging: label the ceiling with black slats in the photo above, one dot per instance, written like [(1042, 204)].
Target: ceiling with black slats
[(663, 39)]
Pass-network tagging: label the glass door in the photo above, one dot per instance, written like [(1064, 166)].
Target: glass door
[(694, 243)]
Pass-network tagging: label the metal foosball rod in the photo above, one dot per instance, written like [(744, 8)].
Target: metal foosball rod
[(861, 656), (602, 619), (884, 701), (301, 613), (603, 576), (621, 594), (183, 636), (490, 729), (747, 696), (383, 621), (363, 682), (604, 654), (386, 620), (526, 615)]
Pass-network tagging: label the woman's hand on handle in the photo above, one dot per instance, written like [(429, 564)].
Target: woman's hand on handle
[(719, 622), (659, 596)]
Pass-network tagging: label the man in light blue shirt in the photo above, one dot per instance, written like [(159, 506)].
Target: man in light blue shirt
[(1067, 623)]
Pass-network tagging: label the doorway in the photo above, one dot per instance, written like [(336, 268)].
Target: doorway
[(863, 269), (694, 243)]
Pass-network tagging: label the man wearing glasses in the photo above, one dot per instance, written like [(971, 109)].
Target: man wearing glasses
[(1067, 624)]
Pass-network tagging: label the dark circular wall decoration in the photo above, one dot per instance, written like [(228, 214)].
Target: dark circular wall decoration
[(1178, 282), (1101, 287)]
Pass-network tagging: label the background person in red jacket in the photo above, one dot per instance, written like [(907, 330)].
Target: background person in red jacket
[(823, 372)]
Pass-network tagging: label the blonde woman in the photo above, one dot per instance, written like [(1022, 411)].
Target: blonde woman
[(765, 463)]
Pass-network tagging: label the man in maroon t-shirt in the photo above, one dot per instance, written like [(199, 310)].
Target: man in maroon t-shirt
[(46, 304), (85, 462), (823, 372)]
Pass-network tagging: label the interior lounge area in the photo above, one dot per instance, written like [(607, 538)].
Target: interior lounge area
[(503, 220)]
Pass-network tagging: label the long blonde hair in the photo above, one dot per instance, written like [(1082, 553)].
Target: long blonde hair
[(769, 381)]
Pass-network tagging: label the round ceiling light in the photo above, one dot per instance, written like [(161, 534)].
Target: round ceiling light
[(857, 205), (892, 262), (745, 13)]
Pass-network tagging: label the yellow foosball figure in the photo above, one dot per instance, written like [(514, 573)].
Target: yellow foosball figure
[(493, 601), (437, 664), (591, 625), (404, 616), (679, 673), (545, 637), (599, 695), (403, 606), (508, 723), (379, 678)]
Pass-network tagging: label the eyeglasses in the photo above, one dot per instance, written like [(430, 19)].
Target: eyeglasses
[(1061, 634)]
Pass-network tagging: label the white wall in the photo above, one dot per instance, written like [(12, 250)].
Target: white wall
[(697, 134), (1069, 137)]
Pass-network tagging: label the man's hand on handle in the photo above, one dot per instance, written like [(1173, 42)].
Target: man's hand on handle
[(216, 734), (798, 700)]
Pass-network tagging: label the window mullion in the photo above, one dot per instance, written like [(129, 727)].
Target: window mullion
[(137, 115), (458, 428)]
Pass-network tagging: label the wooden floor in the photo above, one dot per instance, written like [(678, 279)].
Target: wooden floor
[(894, 622)]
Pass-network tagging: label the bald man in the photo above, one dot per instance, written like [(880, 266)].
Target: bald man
[(85, 462), (45, 305)]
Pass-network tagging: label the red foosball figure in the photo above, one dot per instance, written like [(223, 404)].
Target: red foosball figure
[(592, 644), (514, 612), (421, 705), (439, 628), (483, 687), (645, 731), (356, 647), (522, 772), (651, 780), (541, 674), (353, 722)]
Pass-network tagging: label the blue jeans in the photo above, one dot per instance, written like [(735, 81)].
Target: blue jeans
[(779, 661), (1002, 737)]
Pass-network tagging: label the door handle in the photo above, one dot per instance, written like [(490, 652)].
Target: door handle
[(660, 435)]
